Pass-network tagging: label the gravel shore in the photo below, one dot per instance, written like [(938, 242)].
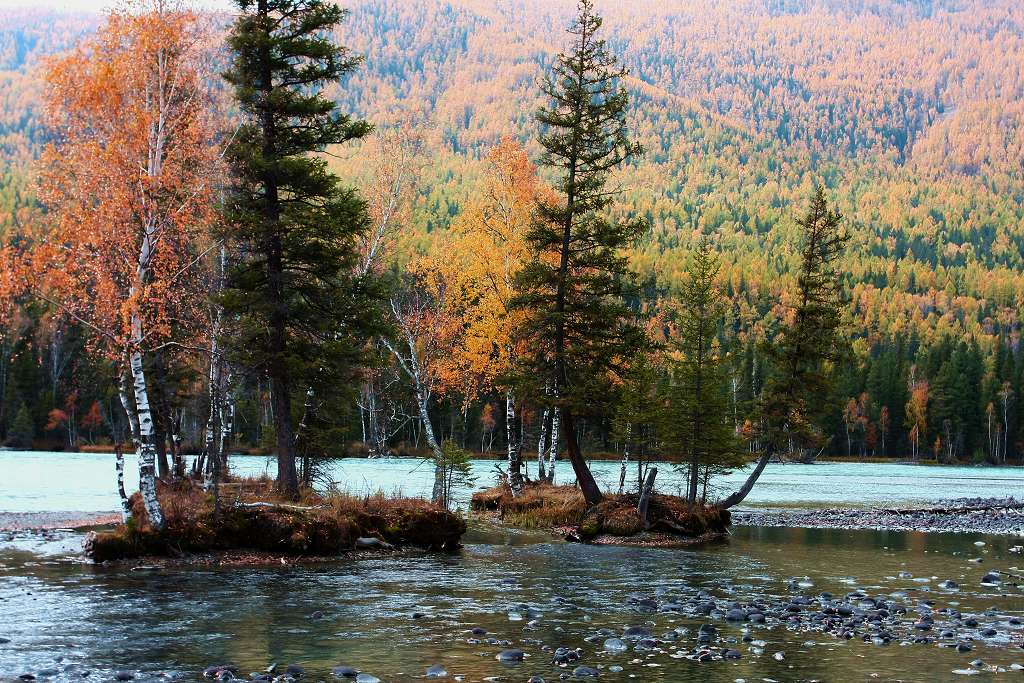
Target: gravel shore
[(22, 521), (963, 515)]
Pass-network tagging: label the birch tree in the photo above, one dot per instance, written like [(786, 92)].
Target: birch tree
[(490, 250), (128, 187), (428, 323)]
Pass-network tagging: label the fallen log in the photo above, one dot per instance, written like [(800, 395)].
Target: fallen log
[(282, 506), (954, 510)]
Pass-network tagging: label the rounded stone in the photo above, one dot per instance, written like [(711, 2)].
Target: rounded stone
[(511, 656)]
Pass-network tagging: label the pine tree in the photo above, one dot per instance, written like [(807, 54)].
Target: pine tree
[(796, 391), (700, 424), (22, 431), (302, 313), (639, 414), (580, 326)]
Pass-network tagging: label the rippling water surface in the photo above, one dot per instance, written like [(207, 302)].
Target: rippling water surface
[(70, 617), (63, 617)]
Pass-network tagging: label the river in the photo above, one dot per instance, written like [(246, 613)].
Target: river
[(32, 481), (395, 616)]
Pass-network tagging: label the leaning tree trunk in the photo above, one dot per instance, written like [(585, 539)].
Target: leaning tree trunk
[(411, 367), (584, 477), (515, 460), (737, 497), (645, 496)]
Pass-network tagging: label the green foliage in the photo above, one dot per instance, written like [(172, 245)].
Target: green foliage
[(456, 468), (699, 423), (580, 326), (803, 357), (22, 431), (641, 417), (303, 316)]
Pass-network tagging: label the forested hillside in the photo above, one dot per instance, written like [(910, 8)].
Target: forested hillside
[(910, 113)]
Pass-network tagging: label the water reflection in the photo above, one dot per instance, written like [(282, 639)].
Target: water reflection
[(76, 617)]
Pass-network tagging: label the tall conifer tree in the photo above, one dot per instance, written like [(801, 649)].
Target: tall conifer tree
[(795, 392), (303, 314), (580, 325), (699, 421)]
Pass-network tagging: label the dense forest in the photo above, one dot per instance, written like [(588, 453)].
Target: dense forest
[(911, 116)]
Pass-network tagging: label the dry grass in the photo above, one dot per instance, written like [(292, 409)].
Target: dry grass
[(546, 506), (313, 525)]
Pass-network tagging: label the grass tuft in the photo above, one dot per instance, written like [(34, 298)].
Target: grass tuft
[(329, 525)]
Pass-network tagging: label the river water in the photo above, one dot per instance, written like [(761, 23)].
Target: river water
[(33, 481), (395, 616)]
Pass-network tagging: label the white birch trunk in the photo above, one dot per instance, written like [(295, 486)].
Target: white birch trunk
[(556, 421), (437, 494), (541, 443), (411, 367), (515, 462), (625, 458), (129, 409), (126, 506), (147, 447)]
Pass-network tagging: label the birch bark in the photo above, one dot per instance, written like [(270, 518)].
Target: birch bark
[(515, 459)]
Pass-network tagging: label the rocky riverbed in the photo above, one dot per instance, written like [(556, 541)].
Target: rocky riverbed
[(961, 515), (775, 603), (20, 521)]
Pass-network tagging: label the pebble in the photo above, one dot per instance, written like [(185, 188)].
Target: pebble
[(511, 656), (345, 671), (437, 671)]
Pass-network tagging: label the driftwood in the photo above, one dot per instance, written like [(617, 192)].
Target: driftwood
[(954, 510), (1003, 572), (645, 496), (280, 506)]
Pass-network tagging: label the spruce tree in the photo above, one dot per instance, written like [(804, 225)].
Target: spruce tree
[(700, 425), (21, 432), (581, 327), (797, 389), (303, 316)]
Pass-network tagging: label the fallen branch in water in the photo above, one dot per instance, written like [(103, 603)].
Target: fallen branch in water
[(954, 510), (301, 508)]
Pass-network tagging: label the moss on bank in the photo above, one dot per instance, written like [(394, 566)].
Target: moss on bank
[(256, 520), (563, 508)]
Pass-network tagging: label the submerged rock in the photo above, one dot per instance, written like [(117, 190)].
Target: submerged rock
[(345, 671), (511, 656), (615, 645)]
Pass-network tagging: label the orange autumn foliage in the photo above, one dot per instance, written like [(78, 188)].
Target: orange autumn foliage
[(130, 181)]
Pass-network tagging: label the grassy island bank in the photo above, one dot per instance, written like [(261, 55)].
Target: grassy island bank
[(250, 516), (670, 521)]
